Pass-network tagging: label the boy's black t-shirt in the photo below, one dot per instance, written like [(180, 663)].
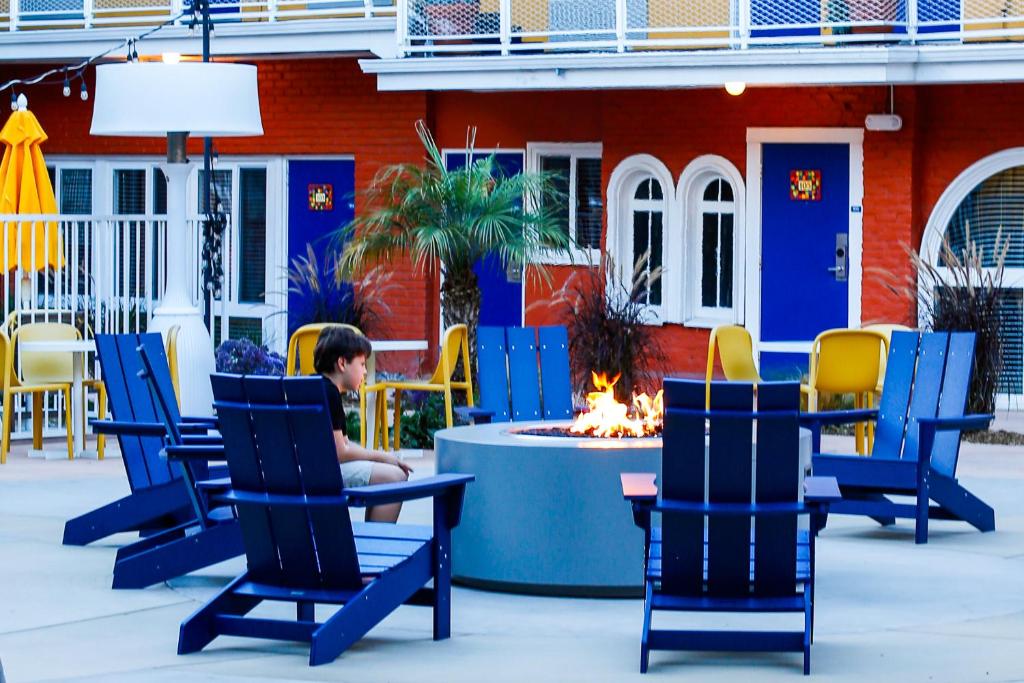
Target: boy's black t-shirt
[(335, 407)]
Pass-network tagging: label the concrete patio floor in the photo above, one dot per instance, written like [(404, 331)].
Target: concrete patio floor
[(887, 610)]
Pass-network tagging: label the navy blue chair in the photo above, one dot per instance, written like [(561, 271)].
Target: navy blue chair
[(917, 437), (739, 547), (300, 544)]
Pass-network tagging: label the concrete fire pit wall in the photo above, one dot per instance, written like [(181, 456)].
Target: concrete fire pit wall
[(545, 514)]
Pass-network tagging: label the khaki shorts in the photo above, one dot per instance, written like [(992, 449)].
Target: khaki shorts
[(356, 472)]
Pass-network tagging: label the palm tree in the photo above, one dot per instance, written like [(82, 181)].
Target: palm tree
[(453, 218)]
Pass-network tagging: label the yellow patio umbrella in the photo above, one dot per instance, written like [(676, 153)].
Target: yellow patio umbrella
[(25, 189)]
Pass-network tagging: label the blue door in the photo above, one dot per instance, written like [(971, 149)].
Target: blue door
[(805, 222), (501, 291), (320, 200)]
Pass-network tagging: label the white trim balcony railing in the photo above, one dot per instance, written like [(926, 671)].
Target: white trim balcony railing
[(23, 15), (432, 27)]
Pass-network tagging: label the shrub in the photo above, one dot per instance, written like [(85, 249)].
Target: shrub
[(608, 326), (242, 357), (423, 415)]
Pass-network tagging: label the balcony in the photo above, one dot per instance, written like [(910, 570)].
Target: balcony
[(557, 44), (75, 29)]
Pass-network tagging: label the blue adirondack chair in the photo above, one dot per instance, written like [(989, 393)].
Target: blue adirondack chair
[(211, 533), (514, 386), (703, 557), (159, 500), (917, 437), (299, 542)]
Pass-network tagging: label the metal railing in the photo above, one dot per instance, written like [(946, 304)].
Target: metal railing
[(24, 15), (428, 27), (101, 274)]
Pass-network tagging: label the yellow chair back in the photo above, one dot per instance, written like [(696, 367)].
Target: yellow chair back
[(454, 343), (736, 351), (45, 368), (7, 359), (846, 361), (302, 344), (172, 358), (887, 329)]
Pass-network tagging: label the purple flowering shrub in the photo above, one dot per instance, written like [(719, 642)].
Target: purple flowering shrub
[(242, 357)]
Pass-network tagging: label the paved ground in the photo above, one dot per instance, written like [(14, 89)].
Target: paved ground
[(887, 610)]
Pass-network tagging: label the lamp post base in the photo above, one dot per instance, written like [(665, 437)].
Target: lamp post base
[(196, 361)]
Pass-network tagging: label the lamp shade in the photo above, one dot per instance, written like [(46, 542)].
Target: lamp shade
[(152, 99)]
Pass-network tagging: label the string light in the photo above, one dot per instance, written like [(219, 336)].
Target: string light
[(84, 91), (67, 84), (14, 101)]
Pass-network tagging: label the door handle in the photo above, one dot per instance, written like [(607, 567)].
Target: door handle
[(841, 255)]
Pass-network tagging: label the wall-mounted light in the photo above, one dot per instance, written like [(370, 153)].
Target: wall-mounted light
[(735, 88), (170, 57)]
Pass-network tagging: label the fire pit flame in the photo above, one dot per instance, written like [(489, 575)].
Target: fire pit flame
[(607, 417)]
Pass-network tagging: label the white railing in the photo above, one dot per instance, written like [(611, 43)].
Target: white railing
[(22, 15), (429, 27), (102, 274)]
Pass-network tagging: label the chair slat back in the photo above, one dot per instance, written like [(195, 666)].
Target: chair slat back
[(931, 363), (278, 439), (956, 384), (733, 473), (524, 377), (554, 372), (895, 401), (684, 471), (777, 480), (492, 371), (129, 401)]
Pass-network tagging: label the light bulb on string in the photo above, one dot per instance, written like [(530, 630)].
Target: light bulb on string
[(67, 85), (84, 93), (14, 101)]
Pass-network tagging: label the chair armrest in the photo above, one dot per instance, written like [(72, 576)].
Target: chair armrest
[(194, 428), (200, 420), (195, 452), (733, 509), (639, 487), (202, 439), (475, 415), (214, 484), (821, 490), (967, 422), (838, 417), (278, 499), (382, 494), (114, 428)]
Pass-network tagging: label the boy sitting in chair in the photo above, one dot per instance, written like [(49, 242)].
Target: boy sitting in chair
[(340, 358)]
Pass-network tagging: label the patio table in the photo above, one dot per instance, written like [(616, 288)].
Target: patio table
[(77, 349), (384, 346)]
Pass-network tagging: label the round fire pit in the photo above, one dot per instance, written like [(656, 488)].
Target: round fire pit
[(545, 514)]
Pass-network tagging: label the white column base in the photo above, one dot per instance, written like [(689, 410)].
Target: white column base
[(196, 360)]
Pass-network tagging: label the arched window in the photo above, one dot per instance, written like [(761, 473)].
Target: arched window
[(985, 206), (710, 194), (640, 209), (648, 213)]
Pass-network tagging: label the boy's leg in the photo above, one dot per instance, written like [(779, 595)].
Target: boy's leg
[(385, 474)]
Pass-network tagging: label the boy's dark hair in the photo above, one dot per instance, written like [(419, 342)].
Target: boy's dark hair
[(338, 342)]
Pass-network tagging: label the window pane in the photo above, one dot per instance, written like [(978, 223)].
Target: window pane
[(725, 261), (655, 189), (655, 262), (130, 191), (561, 167), (994, 207), (589, 206), (711, 191), (220, 194), (159, 192), (643, 190), (709, 261), (75, 191), (252, 229), (641, 236), (726, 191)]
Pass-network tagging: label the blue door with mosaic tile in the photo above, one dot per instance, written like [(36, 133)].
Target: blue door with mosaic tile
[(805, 251), (320, 200)]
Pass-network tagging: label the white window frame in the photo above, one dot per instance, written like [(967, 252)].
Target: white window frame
[(942, 213), (619, 242), (690, 198), (575, 151)]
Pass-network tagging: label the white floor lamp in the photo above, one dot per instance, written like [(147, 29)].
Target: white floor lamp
[(204, 99)]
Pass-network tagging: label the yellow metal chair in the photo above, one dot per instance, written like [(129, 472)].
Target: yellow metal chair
[(846, 361), (171, 349), (300, 361), (736, 351), (887, 329), (42, 373), (454, 344)]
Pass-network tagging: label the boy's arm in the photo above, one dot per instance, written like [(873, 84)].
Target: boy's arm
[(348, 451)]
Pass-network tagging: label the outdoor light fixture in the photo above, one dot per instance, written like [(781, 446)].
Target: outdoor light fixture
[(156, 99), (171, 57), (735, 88)]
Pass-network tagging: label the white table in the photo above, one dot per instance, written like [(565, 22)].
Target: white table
[(384, 346), (77, 349)]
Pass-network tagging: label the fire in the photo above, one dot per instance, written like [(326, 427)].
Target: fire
[(607, 417)]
